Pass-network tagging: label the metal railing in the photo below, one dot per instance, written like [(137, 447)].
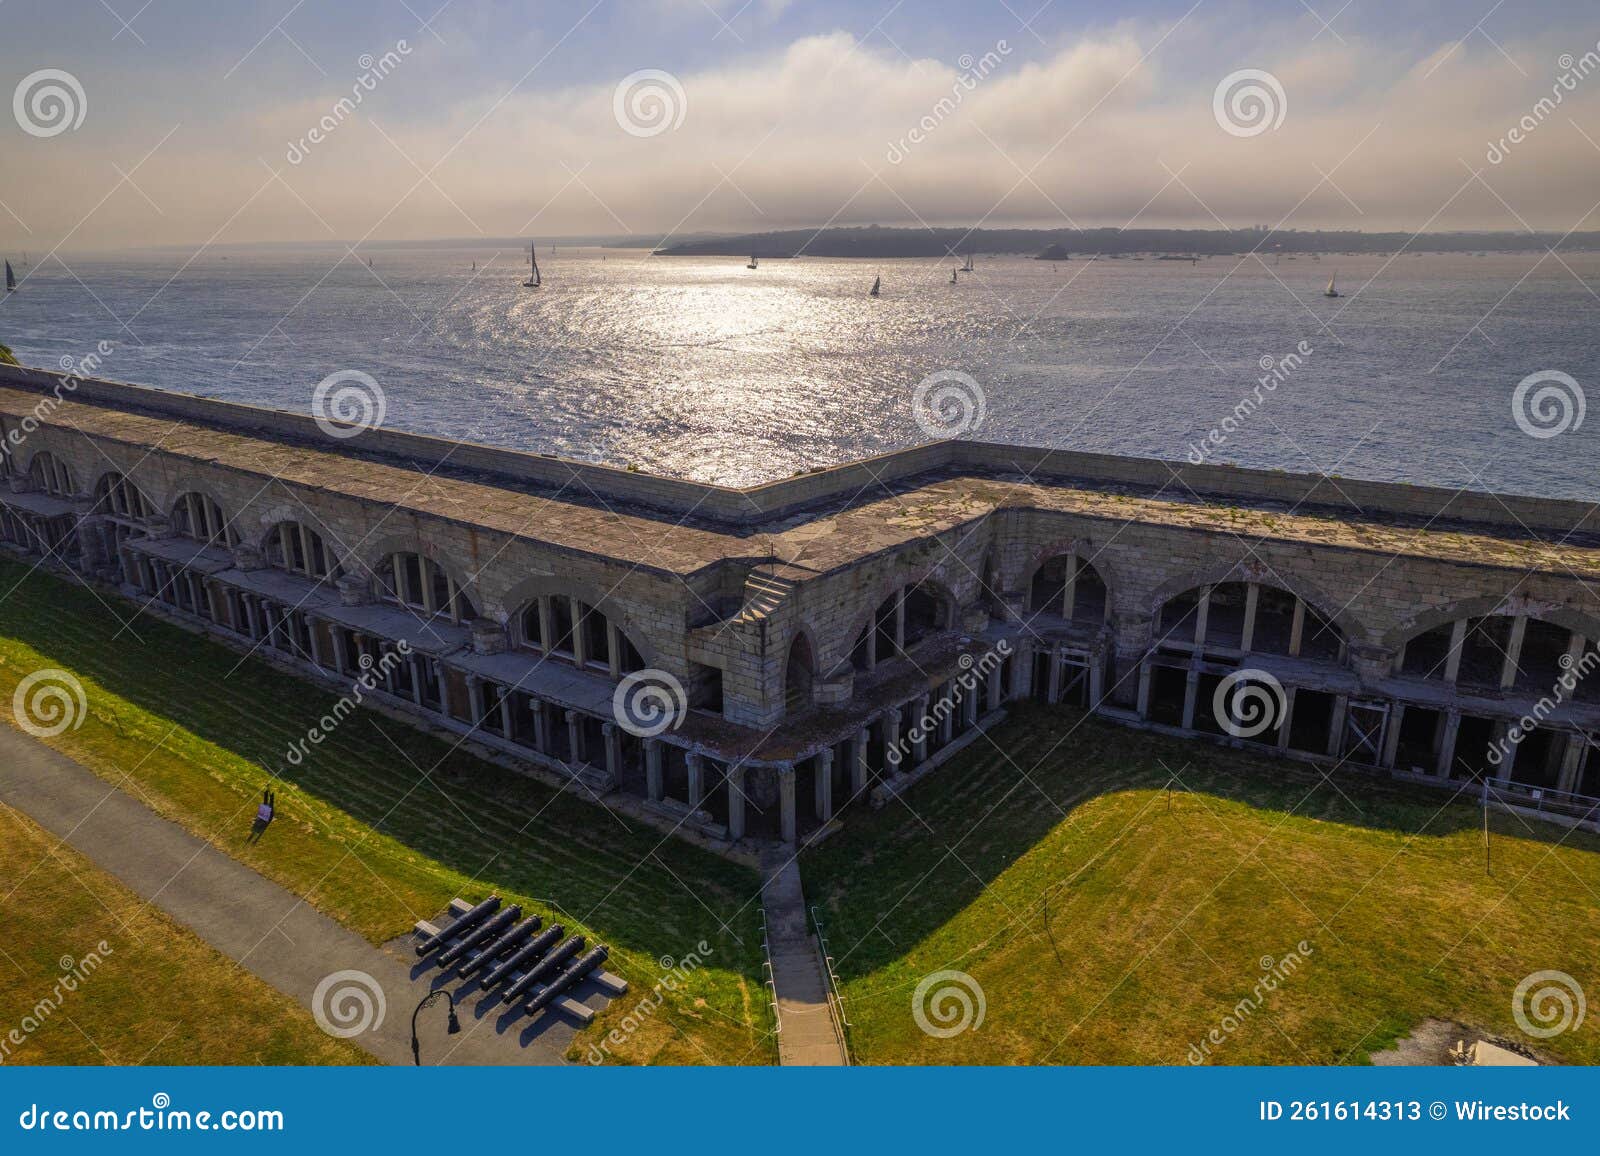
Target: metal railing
[(771, 982), (836, 1008)]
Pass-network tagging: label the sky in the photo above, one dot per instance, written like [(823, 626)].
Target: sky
[(192, 121)]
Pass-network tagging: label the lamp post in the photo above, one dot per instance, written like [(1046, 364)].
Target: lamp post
[(453, 1029)]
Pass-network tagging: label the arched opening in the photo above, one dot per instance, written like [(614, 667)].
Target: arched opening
[(423, 586), (908, 616), (198, 516), (115, 494), (50, 474), (1249, 618), (1497, 652), (1067, 586), (296, 547), (563, 627), (798, 674)]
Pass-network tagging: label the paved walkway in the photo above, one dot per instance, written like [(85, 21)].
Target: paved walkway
[(808, 1034), (252, 920)]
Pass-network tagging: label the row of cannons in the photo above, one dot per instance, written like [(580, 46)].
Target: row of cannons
[(529, 964)]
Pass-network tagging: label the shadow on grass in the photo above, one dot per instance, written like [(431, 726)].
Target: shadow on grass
[(892, 878)]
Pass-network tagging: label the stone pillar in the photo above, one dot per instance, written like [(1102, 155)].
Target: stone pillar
[(1508, 668), (697, 779), (475, 698), (1297, 628), (1054, 691), (1142, 705), (1022, 670), (575, 737), (442, 682), (1191, 692), (1252, 599), (992, 689), (919, 731), (1571, 763), (786, 802), (252, 611), (1129, 674), (653, 788), (736, 801), (1458, 638), (541, 727), (1391, 736), (1287, 723), (1447, 744), (1502, 773), (1097, 681), (419, 673), (893, 764), (824, 784), (969, 707), (947, 721), (613, 739), (506, 726), (1202, 616), (858, 765), (341, 656), (1341, 707)]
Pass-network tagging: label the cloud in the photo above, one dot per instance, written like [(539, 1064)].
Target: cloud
[(1094, 132)]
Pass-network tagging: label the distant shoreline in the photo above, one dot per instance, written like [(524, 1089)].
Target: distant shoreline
[(1067, 244)]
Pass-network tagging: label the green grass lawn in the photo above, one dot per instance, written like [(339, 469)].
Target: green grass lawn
[(382, 825), (1108, 921), (116, 1006)]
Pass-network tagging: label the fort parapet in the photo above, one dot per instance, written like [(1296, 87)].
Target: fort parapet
[(833, 636)]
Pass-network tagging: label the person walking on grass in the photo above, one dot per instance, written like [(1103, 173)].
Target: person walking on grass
[(264, 815)]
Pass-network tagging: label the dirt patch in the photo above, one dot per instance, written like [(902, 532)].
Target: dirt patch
[(1431, 1042)]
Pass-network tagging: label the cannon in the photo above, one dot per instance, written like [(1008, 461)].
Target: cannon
[(502, 945), (569, 977), (548, 966), (468, 921), (525, 955), (483, 933)]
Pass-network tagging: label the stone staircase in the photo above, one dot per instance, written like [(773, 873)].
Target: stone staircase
[(808, 1034)]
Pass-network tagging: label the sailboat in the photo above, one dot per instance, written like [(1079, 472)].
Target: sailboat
[(876, 282), (967, 268), (1331, 290), (533, 280), (752, 264), (11, 279)]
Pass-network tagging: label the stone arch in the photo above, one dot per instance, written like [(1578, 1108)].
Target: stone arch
[(1330, 608), (1046, 555), (371, 560), (887, 589), (800, 671), (61, 478), (114, 492), (517, 600), (270, 545), (1508, 605), (187, 504)]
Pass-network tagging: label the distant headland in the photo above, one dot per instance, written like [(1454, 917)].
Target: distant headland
[(1063, 244)]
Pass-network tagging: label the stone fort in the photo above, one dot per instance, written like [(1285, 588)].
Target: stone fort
[(740, 665)]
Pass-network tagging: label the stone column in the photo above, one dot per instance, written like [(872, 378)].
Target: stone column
[(1286, 724), (1054, 691), (1142, 705), (947, 721), (419, 673), (1502, 773), (1458, 638), (1391, 736), (1252, 599), (1202, 616), (992, 689), (697, 779), (1022, 670), (475, 698), (1097, 681), (1341, 707), (824, 784), (1508, 668), (969, 707), (252, 612), (341, 656), (442, 682), (541, 728), (858, 765), (613, 739), (575, 737), (1129, 674), (919, 730), (786, 802), (653, 788), (736, 801), (1571, 763), (507, 728), (1447, 744), (1297, 628), (891, 742), (1191, 692)]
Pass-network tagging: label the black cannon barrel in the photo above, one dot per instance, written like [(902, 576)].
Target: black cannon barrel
[(569, 977), (483, 933), (502, 945), (526, 955), (468, 921), (548, 966)]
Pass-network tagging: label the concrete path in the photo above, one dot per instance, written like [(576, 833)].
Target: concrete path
[(808, 1035), (254, 921)]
